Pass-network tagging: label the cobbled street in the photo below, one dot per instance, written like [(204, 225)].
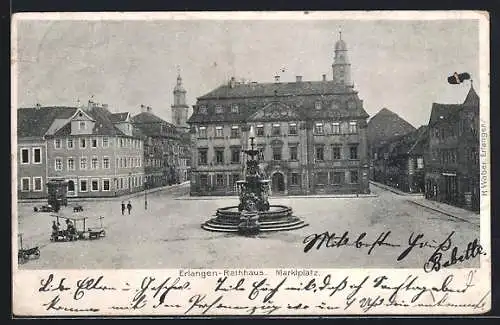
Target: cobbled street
[(168, 234)]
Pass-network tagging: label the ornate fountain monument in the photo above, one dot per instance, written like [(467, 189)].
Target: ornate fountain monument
[(254, 214)]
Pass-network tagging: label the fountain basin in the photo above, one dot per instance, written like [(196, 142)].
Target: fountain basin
[(277, 218)]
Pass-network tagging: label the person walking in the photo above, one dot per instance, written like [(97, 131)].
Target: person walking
[(129, 207), (123, 208)]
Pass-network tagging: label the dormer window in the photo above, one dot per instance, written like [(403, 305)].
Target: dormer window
[(219, 109), (82, 125), (235, 108), (203, 109), (317, 105)]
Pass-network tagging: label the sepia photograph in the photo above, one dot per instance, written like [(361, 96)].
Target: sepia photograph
[(294, 142)]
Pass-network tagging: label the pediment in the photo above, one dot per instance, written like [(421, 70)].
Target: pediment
[(274, 111), (80, 115)]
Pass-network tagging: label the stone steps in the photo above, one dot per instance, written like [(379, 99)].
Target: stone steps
[(295, 223)]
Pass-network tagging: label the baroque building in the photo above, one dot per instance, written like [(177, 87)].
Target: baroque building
[(312, 134)]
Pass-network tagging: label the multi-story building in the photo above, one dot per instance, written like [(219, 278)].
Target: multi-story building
[(161, 148), (452, 162), (312, 134), (32, 124), (180, 118), (97, 152), (383, 128), (400, 161)]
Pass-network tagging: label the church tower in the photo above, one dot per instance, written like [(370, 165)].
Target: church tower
[(341, 66), (180, 108)]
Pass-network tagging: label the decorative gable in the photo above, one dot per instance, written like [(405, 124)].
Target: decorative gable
[(274, 111), (81, 123)]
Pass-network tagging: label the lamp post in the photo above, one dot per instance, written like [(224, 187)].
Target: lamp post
[(145, 194)]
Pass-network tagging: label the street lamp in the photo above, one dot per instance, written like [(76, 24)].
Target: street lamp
[(145, 194)]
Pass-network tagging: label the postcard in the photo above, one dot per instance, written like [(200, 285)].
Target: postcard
[(251, 163)]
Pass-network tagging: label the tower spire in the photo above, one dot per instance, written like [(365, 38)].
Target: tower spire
[(340, 33)]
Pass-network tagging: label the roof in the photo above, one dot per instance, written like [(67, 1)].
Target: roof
[(472, 98), (340, 45), (36, 121), (240, 90), (442, 111), (150, 124), (387, 125), (118, 117)]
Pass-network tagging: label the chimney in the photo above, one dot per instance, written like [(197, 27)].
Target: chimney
[(276, 78), (232, 82), (143, 108), (298, 78), (38, 106), (149, 109), (324, 77)]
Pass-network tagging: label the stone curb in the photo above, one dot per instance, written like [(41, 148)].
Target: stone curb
[(474, 222), (347, 196), (393, 190)]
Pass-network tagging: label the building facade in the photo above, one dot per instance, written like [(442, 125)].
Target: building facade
[(400, 162), (452, 164), (97, 152), (180, 111), (312, 134)]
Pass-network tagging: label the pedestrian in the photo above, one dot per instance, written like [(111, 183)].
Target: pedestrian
[(129, 207), (123, 208)]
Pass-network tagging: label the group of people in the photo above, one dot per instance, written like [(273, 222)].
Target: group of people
[(128, 207), (56, 227)]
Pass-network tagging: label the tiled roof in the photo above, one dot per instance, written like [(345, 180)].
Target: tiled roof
[(386, 125), (272, 89), (150, 124), (440, 112), (118, 117), (35, 121)]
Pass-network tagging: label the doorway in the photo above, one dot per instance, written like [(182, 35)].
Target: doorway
[(278, 183)]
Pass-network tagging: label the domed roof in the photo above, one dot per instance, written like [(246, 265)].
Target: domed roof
[(340, 45), (178, 86)]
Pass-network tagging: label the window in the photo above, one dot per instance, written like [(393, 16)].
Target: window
[(105, 142), (353, 127), (37, 155), (420, 163), (57, 143), (94, 143), (219, 109), (293, 153), (83, 143), (260, 130), (37, 184), (69, 143), (58, 164), (235, 156), (94, 185), (204, 180), (276, 130), (338, 178), (234, 179), (277, 153), (25, 184), (83, 185), (202, 132), (235, 131), (353, 152), (317, 105), (318, 128), (292, 129), (71, 164), (83, 163), (219, 180), (320, 153), (335, 152), (336, 128), (219, 156), (203, 109), (219, 132), (105, 162), (202, 156), (105, 184), (82, 125), (354, 176), (94, 164), (295, 179), (235, 108), (25, 156)]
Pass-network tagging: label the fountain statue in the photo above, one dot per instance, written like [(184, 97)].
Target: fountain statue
[(254, 214)]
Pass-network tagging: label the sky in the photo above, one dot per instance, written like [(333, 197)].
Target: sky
[(399, 65)]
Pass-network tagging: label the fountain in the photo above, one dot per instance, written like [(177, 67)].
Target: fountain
[(254, 214)]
